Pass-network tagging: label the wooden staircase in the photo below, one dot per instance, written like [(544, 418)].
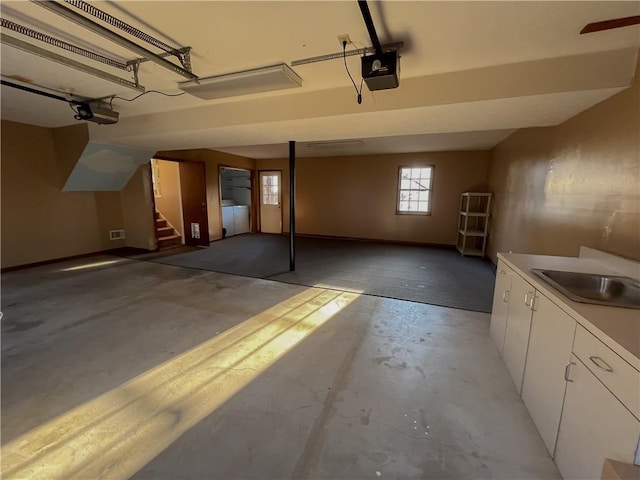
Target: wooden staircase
[(165, 234)]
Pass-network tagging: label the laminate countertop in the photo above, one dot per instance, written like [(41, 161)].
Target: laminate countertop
[(618, 328)]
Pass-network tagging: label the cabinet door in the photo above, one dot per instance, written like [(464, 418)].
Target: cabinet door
[(543, 388), (241, 219), (516, 338), (500, 307), (594, 426), (227, 220)]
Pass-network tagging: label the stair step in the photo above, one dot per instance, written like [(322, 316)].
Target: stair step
[(170, 241), (161, 223), (157, 215), (165, 231)]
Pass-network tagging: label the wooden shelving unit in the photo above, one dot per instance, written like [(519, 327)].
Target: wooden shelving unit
[(473, 223)]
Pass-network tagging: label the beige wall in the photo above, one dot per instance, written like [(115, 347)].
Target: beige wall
[(213, 160), (137, 209), (69, 143), (39, 221), (355, 196), (575, 184), (169, 203)]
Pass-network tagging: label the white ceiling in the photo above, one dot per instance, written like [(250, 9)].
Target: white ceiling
[(471, 72)]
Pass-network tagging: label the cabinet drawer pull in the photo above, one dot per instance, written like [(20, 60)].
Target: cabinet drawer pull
[(567, 368), (600, 363), (505, 296), (528, 299)]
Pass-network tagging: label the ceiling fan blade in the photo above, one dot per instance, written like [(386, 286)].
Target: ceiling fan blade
[(609, 24)]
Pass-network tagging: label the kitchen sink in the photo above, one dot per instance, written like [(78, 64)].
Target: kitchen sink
[(594, 288)]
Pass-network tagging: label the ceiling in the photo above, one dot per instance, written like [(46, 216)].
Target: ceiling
[(470, 73)]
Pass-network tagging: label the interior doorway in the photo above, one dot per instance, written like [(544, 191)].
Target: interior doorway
[(195, 219), (179, 191), (236, 198), (271, 202)]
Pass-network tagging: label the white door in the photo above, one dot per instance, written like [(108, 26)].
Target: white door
[(550, 342), (594, 426), (516, 338), (500, 308), (270, 202)]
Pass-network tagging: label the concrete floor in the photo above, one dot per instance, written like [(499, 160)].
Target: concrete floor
[(135, 369)]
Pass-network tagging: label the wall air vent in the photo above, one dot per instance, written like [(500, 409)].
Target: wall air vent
[(276, 77), (116, 234)]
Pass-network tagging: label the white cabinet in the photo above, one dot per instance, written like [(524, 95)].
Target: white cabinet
[(594, 426), (227, 221), (516, 338), (543, 388), (500, 308), (582, 395), (617, 375), (241, 219), (235, 219)]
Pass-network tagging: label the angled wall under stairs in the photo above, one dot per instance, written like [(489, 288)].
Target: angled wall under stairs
[(167, 236)]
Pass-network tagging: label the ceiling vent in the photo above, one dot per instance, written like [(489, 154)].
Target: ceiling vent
[(336, 144), (275, 77)]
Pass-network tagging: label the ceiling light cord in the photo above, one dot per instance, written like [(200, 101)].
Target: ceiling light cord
[(344, 58), (143, 93)]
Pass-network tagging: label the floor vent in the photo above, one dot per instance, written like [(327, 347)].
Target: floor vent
[(116, 234)]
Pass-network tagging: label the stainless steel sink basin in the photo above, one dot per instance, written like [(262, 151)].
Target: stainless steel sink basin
[(594, 288)]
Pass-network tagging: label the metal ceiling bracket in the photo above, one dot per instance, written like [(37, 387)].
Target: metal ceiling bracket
[(135, 67), (89, 24), (183, 55), (41, 52), (348, 53)]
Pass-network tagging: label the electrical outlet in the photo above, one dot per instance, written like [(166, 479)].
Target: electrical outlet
[(344, 38)]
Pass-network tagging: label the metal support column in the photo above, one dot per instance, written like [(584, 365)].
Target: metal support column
[(292, 205)]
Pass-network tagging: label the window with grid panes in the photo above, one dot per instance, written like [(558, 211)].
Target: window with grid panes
[(270, 190), (414, 190)]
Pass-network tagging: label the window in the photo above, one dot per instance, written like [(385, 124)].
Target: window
[(414, 190), (270, 190)]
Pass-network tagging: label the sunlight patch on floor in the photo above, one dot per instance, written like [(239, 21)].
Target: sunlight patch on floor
[(86, 266), (117, 433)]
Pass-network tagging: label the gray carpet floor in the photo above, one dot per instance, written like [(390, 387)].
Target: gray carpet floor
[(436, 276)]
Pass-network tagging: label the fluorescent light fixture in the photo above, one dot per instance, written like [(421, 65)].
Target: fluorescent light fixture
[(336, 144), (275, 77)]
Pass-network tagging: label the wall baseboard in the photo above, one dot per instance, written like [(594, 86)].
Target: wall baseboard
[(445, 246), (111, 251)]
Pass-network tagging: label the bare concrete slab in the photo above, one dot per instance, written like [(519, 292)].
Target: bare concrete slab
[(133, 369)]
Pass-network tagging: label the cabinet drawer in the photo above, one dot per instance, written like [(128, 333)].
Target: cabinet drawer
[(619, 377)]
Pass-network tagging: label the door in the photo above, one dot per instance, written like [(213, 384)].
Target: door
[(193, 187), (516, 338), (500, 305), (594, 426), (270, 202), (550, 342)]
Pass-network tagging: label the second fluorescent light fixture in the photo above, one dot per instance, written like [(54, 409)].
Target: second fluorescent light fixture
[(275, 77)]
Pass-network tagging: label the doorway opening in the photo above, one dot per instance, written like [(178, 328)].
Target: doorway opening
[(235, 200), (179, 193)]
